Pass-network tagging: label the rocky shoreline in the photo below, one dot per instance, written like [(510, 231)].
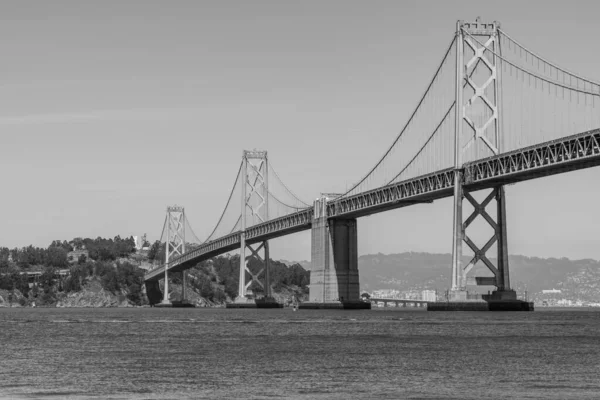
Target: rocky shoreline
[(94, 296)]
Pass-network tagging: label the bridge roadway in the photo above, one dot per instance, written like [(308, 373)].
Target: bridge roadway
[(549, 158)]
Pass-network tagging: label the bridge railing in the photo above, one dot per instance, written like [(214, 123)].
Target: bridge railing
[(298, 220), (403, 190), (557, 155), (287, 222), (570, 149)]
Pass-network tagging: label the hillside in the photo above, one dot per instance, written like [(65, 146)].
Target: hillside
[(214, 282), (109, 273), (577, 279)]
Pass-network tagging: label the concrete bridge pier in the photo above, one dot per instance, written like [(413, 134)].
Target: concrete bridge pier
[(183, 286), (153, 292), (184, 281), (166, 302), (334, 279)]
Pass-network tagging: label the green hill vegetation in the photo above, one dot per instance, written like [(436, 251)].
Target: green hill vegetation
[(111, 268)]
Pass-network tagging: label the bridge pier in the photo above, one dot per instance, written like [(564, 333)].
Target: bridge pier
[(166, 302), (245, 301), (334, 279), (183, 285), (503, 298), (153, 292)]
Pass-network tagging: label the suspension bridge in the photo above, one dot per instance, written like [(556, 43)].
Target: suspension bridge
[(494, 113)]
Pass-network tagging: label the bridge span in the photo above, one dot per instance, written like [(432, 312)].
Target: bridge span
[(495, 113), (557, 156)]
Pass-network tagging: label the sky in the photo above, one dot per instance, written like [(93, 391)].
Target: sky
[(111, 111)]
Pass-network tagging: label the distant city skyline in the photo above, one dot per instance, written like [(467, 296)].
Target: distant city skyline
[(111, 111)]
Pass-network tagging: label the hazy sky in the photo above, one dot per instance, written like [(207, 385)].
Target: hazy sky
[(112, 110)]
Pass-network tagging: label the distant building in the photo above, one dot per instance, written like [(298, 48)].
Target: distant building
[(141, 243), (73, 256), (550, 291), (387, 294), (428, 295)]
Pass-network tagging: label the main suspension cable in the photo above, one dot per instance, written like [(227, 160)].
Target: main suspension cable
[(551, 64), (284, 204), (285, 186), (192, 230), (407, 123), (163, 229), (426, 143), (226, 205), (541, 78)]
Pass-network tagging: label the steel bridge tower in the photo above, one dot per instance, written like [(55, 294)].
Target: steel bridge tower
[(174, 246), (478, 134), (255, 209)]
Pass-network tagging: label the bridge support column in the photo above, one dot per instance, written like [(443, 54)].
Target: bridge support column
[(244, 300), (334, 280), (457, 292), (165, 300), (499, 237), (183, 285), (503, 298), (153, 292)]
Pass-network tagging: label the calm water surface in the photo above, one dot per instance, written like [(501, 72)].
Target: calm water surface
[(275, 354)]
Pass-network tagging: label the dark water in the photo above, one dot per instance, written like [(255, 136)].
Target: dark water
[(275, 354)]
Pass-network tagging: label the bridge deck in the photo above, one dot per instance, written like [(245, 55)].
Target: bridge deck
[(558, 156)]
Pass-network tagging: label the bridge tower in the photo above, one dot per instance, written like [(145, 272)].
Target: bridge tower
[(255, 209), (478, 134), (174, 246)]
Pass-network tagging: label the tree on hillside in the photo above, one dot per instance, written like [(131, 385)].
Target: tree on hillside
[(29, 256), (123, 247), (110, 281), (20, 282), (77, 243), (47, 279), (4, 256), (131, 277), (78, 277), (63, 245), (157, 251), (56, 257), (46, 282)]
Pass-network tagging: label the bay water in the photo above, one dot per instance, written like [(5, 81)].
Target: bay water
[(403, 353)]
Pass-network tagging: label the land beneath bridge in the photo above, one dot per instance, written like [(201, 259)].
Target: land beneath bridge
[(109, 273)]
